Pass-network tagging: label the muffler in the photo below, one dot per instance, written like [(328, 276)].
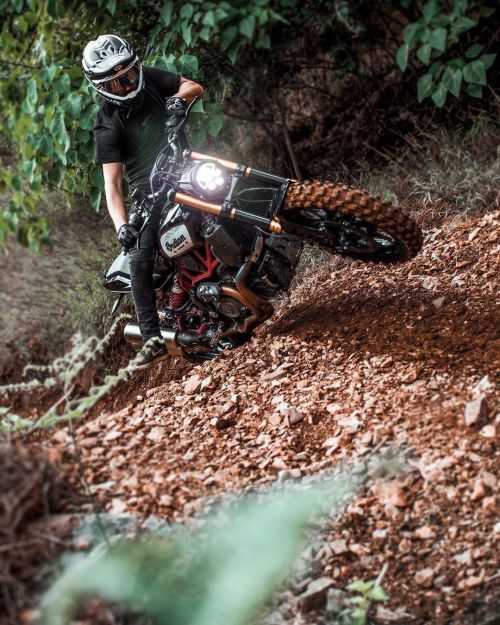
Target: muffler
[(132, 335)]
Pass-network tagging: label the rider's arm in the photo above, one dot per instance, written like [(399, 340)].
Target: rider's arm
[(113, 179), (188, 89)]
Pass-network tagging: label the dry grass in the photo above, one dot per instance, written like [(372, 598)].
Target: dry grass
[(445, 174)]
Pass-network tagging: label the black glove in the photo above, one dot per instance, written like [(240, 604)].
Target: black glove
[(127, 235), (176, 106)]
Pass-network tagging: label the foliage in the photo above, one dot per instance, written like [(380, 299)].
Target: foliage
[(448, 42), (64, 374), (366, 592), (48, 108), (443, 174), (224, 573)]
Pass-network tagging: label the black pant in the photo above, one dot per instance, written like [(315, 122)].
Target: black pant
[(142, 261)]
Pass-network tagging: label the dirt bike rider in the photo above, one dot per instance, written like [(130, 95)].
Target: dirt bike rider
[(129, 130)]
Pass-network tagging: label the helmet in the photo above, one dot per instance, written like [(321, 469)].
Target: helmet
[(112, 67)]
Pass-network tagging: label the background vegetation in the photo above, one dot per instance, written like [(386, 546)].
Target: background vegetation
[(343, 78)]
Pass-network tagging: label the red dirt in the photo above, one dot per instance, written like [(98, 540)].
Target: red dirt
[(363, 357)]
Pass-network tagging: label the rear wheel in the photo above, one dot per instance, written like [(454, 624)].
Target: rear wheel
[(349, 221)]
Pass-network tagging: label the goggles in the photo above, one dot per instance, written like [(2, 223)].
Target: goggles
[(122, 84)]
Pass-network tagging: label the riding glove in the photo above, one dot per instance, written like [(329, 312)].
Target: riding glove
[(176, 106), (127, 235)]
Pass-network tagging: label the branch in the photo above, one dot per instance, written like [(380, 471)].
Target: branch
[(14, 64)]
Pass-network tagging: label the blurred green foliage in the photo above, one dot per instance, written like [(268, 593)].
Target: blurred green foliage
[(225, 572)]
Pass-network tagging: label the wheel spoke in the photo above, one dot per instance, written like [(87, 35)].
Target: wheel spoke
[(346, 235)]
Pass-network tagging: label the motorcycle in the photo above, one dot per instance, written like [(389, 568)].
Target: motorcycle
[(230, 239)]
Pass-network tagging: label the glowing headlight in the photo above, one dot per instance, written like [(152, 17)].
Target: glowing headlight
[(210, 180)]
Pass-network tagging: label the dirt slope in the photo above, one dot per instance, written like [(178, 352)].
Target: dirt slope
[(360, 358)]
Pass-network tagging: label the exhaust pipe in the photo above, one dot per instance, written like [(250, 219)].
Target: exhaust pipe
[(133, 335)]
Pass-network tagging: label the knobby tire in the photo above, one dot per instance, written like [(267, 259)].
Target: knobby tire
[(328, 196)]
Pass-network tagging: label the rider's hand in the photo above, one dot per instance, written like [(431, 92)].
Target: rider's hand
[(127, 235), (176, 106)]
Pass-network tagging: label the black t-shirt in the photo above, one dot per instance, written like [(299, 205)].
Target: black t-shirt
[(135, 136)]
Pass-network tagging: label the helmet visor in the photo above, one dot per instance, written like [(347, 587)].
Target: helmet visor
[(122, 84)]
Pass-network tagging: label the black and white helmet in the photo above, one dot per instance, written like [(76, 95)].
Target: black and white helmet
[(112, 67)]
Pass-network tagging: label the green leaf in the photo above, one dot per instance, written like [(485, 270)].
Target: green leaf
[(16, 183), (205, 33), (58, 130), (95, 198), (87, 121), (63, 84), (198, 107), (232, 53), (263, 16), (214, 124), (411, 32), (439, 95), (424, 53), (264, 41), (435, 69), (425, 86), (189, 62), (31, 92), (452, 79), (247, 26), (456, 63), (441, 20), (360, 586), (27, 107), (488, 60), (187, 33), (46, 145), (96, 177), (186, 12), (459, 7), (475, 72), (476, 91), (52, 8), (358, 600), (228, 35), (431, 9), (402, 56), (56, 175), (437, 39), (73, 105), (111, 6), (461, 25), (166, 12), (377, 594), (474, 51), (209, 18), (28, 169)]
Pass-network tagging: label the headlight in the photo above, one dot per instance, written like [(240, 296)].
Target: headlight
[(210, 180)]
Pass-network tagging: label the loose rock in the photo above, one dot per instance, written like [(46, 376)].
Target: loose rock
[(192, 385), (315, 595), (476, 411), (424, 577)]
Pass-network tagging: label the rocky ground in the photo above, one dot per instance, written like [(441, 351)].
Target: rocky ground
[(358, 359)]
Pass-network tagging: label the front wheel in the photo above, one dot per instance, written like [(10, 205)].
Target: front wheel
[(349, 221)]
